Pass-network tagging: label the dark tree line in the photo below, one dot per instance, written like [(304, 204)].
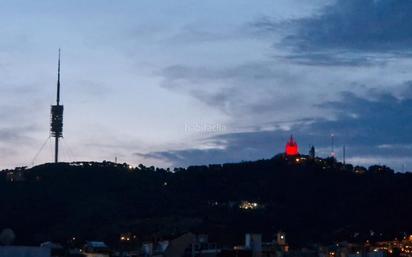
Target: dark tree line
[(313, 200)]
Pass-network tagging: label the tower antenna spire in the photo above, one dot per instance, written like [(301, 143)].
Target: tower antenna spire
[(56, 124), (58, 81)]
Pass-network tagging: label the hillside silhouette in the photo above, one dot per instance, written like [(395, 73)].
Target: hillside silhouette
[(312, 200)]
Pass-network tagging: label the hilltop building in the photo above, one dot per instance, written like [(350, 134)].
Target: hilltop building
[(281, 238), (291, 148), (26, 251)]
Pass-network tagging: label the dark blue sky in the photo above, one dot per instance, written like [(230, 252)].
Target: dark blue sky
[(174, 83)]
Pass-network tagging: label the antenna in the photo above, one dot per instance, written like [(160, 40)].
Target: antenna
[(58, 81), (344, 154), (332, 138), (56, 124)]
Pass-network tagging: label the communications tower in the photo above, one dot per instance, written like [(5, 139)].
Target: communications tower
[(56, 123)]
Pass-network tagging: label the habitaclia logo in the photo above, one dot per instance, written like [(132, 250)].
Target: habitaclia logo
[(204, 128)]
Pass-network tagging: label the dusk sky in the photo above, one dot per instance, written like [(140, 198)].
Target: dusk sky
[(184, 82)]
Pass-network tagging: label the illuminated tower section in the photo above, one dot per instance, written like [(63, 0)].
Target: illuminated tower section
[(56, 123), (291, 148)]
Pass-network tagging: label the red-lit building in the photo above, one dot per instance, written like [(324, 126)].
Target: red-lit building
[(291, 148)]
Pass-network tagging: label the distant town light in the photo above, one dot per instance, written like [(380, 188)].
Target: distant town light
[(127, 236), (246, 205)]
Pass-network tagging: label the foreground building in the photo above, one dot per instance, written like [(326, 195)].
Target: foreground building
[(24, 251)]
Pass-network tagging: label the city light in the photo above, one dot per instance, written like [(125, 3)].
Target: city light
[(246, 205)]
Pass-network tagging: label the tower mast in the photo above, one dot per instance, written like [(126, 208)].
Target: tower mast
[(58, 81), (56, 129)]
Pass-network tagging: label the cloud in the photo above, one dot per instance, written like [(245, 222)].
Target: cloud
[(254, 91), (374, 131), (17, 135), (382, 25), (16, 140), (345, 32)]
